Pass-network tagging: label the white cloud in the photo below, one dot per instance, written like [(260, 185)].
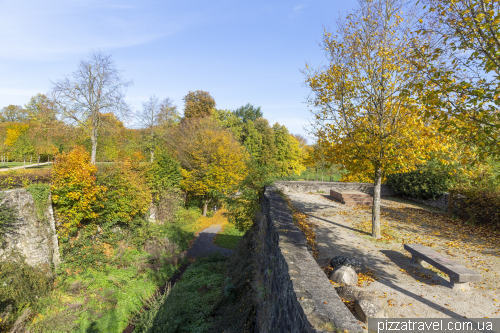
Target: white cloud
[(44, 30), (298, 7)]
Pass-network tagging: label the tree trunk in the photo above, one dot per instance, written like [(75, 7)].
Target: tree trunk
[(205, 207), (316, 170), (31, 158), (376, 203), (24, 161), (152, 155), (93, 139), (38, 161)]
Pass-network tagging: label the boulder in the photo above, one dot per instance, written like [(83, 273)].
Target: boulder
[(366, 309), (346, 261), (344, 275), (353, 293)]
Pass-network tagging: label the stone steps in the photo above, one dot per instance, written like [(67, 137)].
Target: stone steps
[(352, 197)]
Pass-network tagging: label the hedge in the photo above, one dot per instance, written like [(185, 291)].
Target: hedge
[(476, 205)]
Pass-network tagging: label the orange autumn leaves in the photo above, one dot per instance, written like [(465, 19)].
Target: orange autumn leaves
[(79, 198)]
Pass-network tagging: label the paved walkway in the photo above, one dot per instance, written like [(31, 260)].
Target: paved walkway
[(204, 244), (410, 290), (23, 167)]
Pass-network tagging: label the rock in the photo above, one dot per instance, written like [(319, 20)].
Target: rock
[(344, 275), (366, 309), (346, 261), (349, 293), (353, 293)]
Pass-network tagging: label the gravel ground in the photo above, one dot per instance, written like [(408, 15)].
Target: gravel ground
[(204, 243), (407, 290)]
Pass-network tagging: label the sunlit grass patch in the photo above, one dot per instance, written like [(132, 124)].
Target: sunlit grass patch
[(228, 237)]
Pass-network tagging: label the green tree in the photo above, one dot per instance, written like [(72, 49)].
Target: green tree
[(227, 119), (268, 148), (253, 140), (248, 112), (198, 104)]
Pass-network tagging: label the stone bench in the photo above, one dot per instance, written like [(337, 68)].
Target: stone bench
[(460, 276), (351, 197)]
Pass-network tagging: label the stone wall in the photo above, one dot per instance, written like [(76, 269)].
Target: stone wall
[(306, 186), (29, 236), (441, 202), (294, 293)]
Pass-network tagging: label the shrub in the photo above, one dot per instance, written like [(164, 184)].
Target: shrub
[(476, 205), (423, 183), (165, 173), (23, 178), (21, 284), (75, 193), (127, 196), (242, 209)]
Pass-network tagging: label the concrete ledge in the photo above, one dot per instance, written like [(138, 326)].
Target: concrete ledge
[(295, 295), (305, 186)]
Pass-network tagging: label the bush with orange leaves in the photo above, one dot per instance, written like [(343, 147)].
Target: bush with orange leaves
[(75, 193)]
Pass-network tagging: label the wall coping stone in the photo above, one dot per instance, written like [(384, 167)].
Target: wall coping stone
[(315, 294), (314, 186)]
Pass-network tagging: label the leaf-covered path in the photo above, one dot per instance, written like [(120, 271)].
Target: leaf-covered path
[(409, 290)]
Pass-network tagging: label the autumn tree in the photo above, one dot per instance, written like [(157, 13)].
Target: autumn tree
[(95, 88), (156, 116), (212, 161), (365, 98), (13, 113), (44, 124), (198, 104), (288, 153), (461, 63)]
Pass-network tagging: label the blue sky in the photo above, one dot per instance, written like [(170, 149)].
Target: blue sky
[(240, 51)]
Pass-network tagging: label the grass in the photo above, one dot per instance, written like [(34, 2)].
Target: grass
[(228, 237), (189, 305), (127, 269), (310, 175)]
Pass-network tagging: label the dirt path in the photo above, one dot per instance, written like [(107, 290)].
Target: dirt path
[(204, 243), (410, 290)]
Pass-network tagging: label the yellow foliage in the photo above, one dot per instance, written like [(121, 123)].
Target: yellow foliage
[(74, 190), (13, 133), (213, 161)]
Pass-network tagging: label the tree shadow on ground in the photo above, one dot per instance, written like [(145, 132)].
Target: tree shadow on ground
[(416, 271)]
